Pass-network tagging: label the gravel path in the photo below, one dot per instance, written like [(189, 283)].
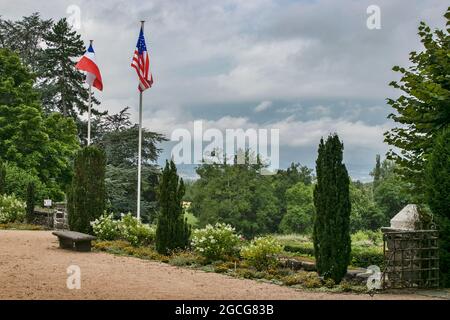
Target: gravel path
[(33, 267)]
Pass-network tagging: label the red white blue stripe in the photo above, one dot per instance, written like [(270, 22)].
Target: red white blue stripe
[(141, 62), (87, 63)]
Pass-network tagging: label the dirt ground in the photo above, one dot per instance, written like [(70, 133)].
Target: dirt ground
[(33, 267)]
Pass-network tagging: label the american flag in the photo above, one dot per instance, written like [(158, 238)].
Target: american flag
[(141, 62)]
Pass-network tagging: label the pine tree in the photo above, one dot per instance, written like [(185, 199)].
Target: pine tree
[(62, 84), (31, 199), (332, 244), (172, 231), (438, 196), (86, 199)]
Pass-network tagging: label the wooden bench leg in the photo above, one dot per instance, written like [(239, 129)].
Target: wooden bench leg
[(65, 243), (84, 246)]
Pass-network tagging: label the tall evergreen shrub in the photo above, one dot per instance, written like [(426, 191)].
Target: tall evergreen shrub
[(332, 243), (86, 197), (31, 199), (172, 231)]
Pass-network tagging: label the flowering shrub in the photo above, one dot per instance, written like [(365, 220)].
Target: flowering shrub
[(136, 232), (11, 209), (215, 242), (128, 228), (261, 252), (106, 228)]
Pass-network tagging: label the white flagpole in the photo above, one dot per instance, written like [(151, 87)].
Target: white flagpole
[(89, 111), (139, 150)]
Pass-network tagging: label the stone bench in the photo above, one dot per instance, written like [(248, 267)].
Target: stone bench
[(74, 240)]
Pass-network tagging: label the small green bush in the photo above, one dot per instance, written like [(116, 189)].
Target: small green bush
[(104, 245), (364, 254), (185, 258), (345, 286), (306, 248), (106, 228), (367, 256), (367, 238), (128, 228), (11, 209), (136, 232), (303, 278), (262, 252), (218, 242), (329, 283)]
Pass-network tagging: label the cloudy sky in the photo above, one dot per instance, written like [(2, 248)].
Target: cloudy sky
[(307, 67)]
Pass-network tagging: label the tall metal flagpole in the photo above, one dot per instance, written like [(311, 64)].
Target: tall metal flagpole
[(139, 150), (89, 109)]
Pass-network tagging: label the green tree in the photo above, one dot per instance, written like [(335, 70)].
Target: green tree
[(376, 173), (172, 231), (17, 181), (86, 200), (40, 144), (392, 192), (25, 37), (300, 209), (438, 198), (423, 108), (285, 179), (331, 234), (365, 214), (118, 137), (236, 194), (62, 84)]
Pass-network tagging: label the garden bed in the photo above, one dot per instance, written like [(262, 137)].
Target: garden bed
[(280, 275)]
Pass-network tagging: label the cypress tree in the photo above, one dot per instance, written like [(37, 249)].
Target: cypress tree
[(376, 172), (332, 244), (31, 199), (438, 198), (86, 198), (2, 177), (172, 230)]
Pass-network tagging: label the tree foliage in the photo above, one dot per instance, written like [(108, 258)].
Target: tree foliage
[(423, 108), (38, 143), (86, 200), (118, 137), (236, 194), (61, 83), (300, 210), (365, 213), (172, 231), (438, 197), (331, 234), (25, 37)]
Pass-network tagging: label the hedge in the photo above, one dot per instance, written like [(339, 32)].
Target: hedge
[(360, 256)]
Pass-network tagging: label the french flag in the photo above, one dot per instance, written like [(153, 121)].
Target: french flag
[(87, 63)]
